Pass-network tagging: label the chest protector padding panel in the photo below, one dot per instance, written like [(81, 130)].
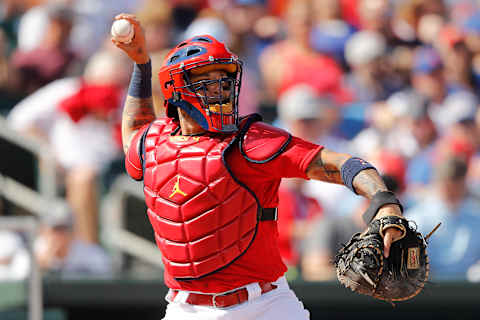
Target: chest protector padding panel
[(202, 219)]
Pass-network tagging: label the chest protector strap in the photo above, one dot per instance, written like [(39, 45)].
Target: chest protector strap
[(263, 214)]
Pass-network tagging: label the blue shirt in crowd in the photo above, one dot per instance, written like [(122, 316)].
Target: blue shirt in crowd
[(455, 246)]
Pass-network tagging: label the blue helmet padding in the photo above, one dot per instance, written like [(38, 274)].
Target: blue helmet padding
[(185, 54)]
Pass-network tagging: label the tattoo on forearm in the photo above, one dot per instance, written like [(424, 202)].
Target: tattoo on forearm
[(331, 173), (368, 182), (327, 166), (327, 171), (136, 113)]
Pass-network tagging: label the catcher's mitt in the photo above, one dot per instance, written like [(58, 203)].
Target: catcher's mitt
[(361, 266)]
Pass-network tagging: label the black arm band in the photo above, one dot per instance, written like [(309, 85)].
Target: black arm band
[(380, 199), (141, 81), (351, 168)]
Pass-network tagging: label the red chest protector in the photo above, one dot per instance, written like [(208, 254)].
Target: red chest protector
[(202, 217)]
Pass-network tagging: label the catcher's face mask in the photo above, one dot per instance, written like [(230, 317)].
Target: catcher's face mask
[(203, 77)]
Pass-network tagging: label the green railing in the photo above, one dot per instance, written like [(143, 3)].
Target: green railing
[(13, 295)]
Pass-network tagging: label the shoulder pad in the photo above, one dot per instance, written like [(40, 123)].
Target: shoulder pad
[(263, 142)]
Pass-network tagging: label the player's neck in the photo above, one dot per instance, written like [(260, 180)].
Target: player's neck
[(189, 126)]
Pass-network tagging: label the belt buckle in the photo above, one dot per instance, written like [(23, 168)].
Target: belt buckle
[(220, 294), (214, 296)]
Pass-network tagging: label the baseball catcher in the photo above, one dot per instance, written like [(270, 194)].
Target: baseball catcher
[(211, 178), (362, 267)]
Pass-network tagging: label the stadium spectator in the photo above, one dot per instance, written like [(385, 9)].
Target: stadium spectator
[(90, 24), (330, 33), (60, 253), (408, 14), (10, 93), (428, 74), (293, 60), (455, 247), (51, 58), (325, 238), (401, 123), (14, 257), (375, 16), (369, 79), (473, 177), (11, 12), (423, 130), (429, 27), (78, 118), (157, 21), (447, 104), (457, 58), (249, 30)]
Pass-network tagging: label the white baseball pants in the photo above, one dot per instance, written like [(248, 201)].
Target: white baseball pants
[(278, 304)]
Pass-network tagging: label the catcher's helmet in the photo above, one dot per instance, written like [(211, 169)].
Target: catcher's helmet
[(216, 112)]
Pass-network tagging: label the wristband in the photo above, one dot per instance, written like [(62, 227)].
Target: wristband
[(380, 199), (351, 168), (141, 81)]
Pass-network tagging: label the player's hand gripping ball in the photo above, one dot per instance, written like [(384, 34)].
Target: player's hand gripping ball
[(122, 31), (361, 266)]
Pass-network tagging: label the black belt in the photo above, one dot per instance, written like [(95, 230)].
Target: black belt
[(268, 214)]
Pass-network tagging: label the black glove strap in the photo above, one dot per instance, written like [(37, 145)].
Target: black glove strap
[(380, 199)]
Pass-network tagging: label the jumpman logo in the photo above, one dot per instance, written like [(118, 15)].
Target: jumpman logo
[(176, 189)]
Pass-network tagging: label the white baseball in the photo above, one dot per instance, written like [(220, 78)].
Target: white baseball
[(122, 31)]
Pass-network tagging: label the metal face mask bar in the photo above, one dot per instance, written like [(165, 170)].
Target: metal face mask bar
[(218, 97), (212, 103)]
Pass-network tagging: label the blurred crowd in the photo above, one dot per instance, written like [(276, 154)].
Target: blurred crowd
[(396, 82)]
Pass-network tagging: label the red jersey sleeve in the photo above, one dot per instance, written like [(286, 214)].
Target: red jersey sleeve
[(280, 154), (291, 162), (134, 158), (294, 160), (264, 178)]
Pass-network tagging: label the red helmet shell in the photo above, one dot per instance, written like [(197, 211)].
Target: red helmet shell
[(198, 55)]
